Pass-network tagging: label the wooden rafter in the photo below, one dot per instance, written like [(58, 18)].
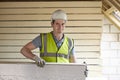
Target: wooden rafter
[(108, 7)]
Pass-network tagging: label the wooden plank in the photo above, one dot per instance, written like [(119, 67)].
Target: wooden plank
[(14, 49), (77, 55), (47, 17), (13, 42), (23, 42), (77, 48), (84, 23), (10, 49), (25, 30), (14, 55), (86, 42), (51, 4), (47, 23), (11, 56), (94, 68), (83, 54), (50, 10), (32, 36), (25, 17), (85, 36), (85, 17), (95, 75), (18, 36), (43, 30), (83, 30), (87, 48), (15, 60), (89, 61)]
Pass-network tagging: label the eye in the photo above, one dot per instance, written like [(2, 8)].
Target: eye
[(63, 24), (57, 23)]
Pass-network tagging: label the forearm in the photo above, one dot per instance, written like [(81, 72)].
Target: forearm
[(27, 53)]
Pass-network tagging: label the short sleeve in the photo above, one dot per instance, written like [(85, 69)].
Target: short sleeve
[(37, 42), (72, 51)]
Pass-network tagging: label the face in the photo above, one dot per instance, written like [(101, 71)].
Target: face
[(58, 26)]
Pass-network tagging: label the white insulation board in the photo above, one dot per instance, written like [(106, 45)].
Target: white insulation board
[(29, 71)]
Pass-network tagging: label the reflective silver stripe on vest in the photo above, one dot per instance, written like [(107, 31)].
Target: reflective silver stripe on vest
[(45, 43), (70, 44), (54, 55)]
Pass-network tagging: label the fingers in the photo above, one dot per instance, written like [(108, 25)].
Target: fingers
[(41, 63)]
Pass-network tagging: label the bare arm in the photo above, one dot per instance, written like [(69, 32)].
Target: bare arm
[(27, 50)]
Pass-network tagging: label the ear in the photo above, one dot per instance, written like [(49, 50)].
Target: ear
[(52, 24)]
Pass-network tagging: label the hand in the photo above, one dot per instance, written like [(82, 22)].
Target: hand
[(39, 61)]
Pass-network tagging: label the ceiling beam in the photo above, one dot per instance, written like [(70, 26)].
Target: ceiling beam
[(41, 0)]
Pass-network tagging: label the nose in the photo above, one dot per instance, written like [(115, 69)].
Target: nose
[(60, 25)]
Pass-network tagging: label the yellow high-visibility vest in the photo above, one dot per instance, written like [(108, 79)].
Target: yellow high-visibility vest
[(50, 52)]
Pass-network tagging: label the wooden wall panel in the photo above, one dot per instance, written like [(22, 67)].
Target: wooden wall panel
[(51, 4), (47, 11), (42, 30), (47, 17), (47, 23), (20, 22)]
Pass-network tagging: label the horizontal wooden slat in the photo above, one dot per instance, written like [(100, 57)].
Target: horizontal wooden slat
[(84, 23), (89, 54), (77, 55), (51, 4), (13, 49), (23, 42), (87, 42), (85, 17), (14, 55), (25, 30), (17, 36), (87, 48), (32, 36), (95, 75), (94, 68), (84, 36), (13, 42), (83, 30), (42, 30), (47, 17), (50, 10), (11, 55), (10, 49), (77, 48), (16, 60), (47, 23), (89, 61)]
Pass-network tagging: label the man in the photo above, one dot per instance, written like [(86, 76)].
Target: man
[(54, 46)]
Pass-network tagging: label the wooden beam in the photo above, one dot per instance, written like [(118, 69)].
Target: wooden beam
[(41, 0)]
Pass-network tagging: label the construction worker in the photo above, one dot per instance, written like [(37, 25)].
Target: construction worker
[(54, 46)]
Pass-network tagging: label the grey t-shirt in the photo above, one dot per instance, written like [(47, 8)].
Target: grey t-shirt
[(37, 43)]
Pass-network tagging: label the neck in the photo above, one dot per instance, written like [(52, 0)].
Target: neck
[(58, 36)]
